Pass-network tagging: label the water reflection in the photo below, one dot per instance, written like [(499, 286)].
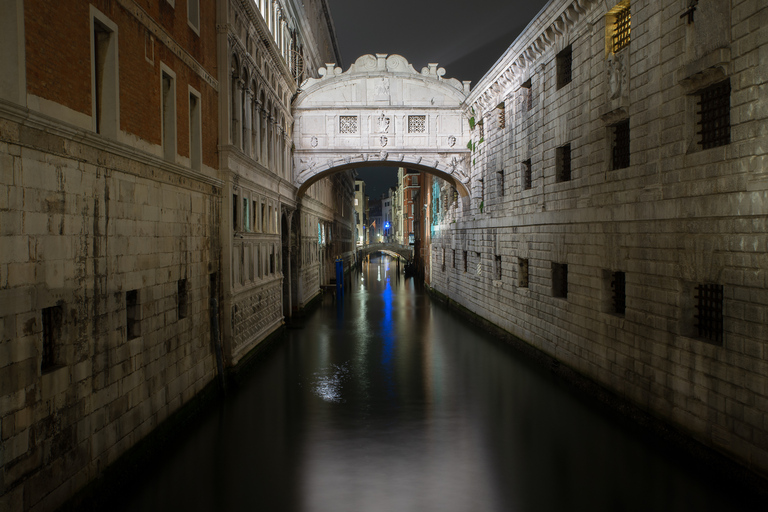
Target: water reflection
[(385, 402)]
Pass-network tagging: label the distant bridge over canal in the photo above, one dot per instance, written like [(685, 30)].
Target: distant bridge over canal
[(404, 251)]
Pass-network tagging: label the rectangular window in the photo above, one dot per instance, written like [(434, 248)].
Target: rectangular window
[(563, 63), (246, 214), (272, 261), (621, 28), (500, 175), (132, 315), (195, 132), (522, 276), (182, 299), (466, 263), (454, 258), (620, 144), (480, 131), (263, 218), (52, 320), (527, 175), (104, 81), (709, 312), (618, 292), (254, 214), (168, 97), (347, 124), (559, 280), (715, 115), (417, 124), (235, 200), (501, 110), (527, 91), (498, 267), (193, 15), (563, 163)]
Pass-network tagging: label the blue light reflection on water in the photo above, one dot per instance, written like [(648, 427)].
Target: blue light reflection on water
[(399, 405)]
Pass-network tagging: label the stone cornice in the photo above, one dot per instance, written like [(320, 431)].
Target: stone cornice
[(554, 21), (176, 174)]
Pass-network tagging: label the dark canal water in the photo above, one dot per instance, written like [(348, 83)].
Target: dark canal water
[(389, 402)]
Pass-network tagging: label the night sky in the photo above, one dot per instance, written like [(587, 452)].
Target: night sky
[(466, 38)]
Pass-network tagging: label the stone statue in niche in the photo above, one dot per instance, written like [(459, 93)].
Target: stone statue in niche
[(617, 76), (381, 91), (383, 123)]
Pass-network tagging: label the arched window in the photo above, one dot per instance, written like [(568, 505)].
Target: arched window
[(244, 111), (254, 121)]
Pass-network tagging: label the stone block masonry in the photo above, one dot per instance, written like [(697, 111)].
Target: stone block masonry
[(679, 232), (85, 240)]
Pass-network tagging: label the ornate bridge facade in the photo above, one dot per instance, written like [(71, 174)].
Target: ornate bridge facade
[(405, 251), (381, 112)]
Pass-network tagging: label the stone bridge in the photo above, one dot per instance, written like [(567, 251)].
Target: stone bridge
[(405, 251), (381, 112)]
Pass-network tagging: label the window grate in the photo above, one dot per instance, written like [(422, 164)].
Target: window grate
[(417, 124), (563, 163), (502, 117), (621, 28), (564, 60), (618, 286), (527, 175), (347, 124), (621, 145), (715, 115), (709, 312), (559, 280), (498, 267), (500, 174)]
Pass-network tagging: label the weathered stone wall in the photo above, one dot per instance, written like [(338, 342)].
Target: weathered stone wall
[(678, 216), (82, 226)]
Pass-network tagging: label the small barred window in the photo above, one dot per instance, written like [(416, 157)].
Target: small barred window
[(618, 289), (527, 91), (417, 124), (563, 163), (709, 312), (715, 115), (501, 109), (527, 175), (559, 280), (621, 26), (347, 124), (522, 276), (563, 62), (621, 144)]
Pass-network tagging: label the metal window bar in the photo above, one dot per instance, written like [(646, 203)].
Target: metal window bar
[(502, 116), (527, 175), (498, 267), (618, 285), (621, 29), (564, 163), (564, 60), (715, 115), (621, 145), (709, 312)]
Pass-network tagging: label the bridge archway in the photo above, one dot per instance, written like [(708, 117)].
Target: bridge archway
[(381, 112)]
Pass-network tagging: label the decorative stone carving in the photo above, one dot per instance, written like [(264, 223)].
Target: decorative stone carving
[(383, 123), (451, 141), (618, 80), (383, 141), (313, 142)]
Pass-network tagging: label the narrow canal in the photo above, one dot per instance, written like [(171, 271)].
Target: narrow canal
[(389, 402)]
